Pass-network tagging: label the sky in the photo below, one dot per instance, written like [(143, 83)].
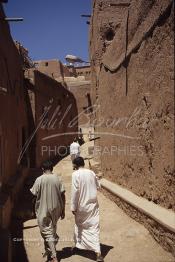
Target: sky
[(51, 28)]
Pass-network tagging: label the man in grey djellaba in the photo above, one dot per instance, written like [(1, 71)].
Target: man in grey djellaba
[(49, 207)]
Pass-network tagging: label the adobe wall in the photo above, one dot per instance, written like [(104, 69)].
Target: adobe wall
[(14, 125), (82, 94), (55, 131), (75, 79), (84, 71), (53, 68), (13, 116), (132, 59)]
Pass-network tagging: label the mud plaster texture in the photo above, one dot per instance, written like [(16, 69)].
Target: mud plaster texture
[(132, 57)]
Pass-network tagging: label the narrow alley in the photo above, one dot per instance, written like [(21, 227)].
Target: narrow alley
[(122, 238), (87, 83)]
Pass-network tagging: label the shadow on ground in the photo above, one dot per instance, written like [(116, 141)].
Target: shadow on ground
[(19, 252), (67, 252), (22, 211)]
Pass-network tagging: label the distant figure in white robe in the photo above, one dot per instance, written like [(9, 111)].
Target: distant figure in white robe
[(74, 150), (49, 207), (85, 207)]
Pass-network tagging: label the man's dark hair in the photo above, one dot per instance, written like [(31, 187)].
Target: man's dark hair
[(47, 165), (79, 161)]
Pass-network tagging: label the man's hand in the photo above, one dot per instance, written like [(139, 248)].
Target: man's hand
[(74, 212)]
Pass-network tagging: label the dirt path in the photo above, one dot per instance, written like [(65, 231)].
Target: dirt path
[(123, 239)]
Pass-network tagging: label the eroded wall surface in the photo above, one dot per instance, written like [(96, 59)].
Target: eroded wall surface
[(13, 115), (82, 94), (132, 60), (14, 125), (55, 118)]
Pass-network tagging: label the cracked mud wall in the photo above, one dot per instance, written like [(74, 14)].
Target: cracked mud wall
[(132, 57)]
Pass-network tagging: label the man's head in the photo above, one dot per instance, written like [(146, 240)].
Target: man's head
[(47, 166), (75, 139), (78, 162)]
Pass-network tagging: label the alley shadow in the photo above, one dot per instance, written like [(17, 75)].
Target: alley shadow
[(67, 252), (23, 211), (19, 252), (62, 154), (28, 227), (105, 249), (95, 138)]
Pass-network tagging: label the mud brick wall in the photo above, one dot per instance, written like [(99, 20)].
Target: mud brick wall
[(82, 95), (14, 123), (132, 59), (13, 114), (58, 128), (53, 68)]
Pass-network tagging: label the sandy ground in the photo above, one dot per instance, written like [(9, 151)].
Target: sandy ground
[(122, 238)]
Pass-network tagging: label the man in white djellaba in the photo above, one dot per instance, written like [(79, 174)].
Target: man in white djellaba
[(49, 207), (74, 150), (85, 208)]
